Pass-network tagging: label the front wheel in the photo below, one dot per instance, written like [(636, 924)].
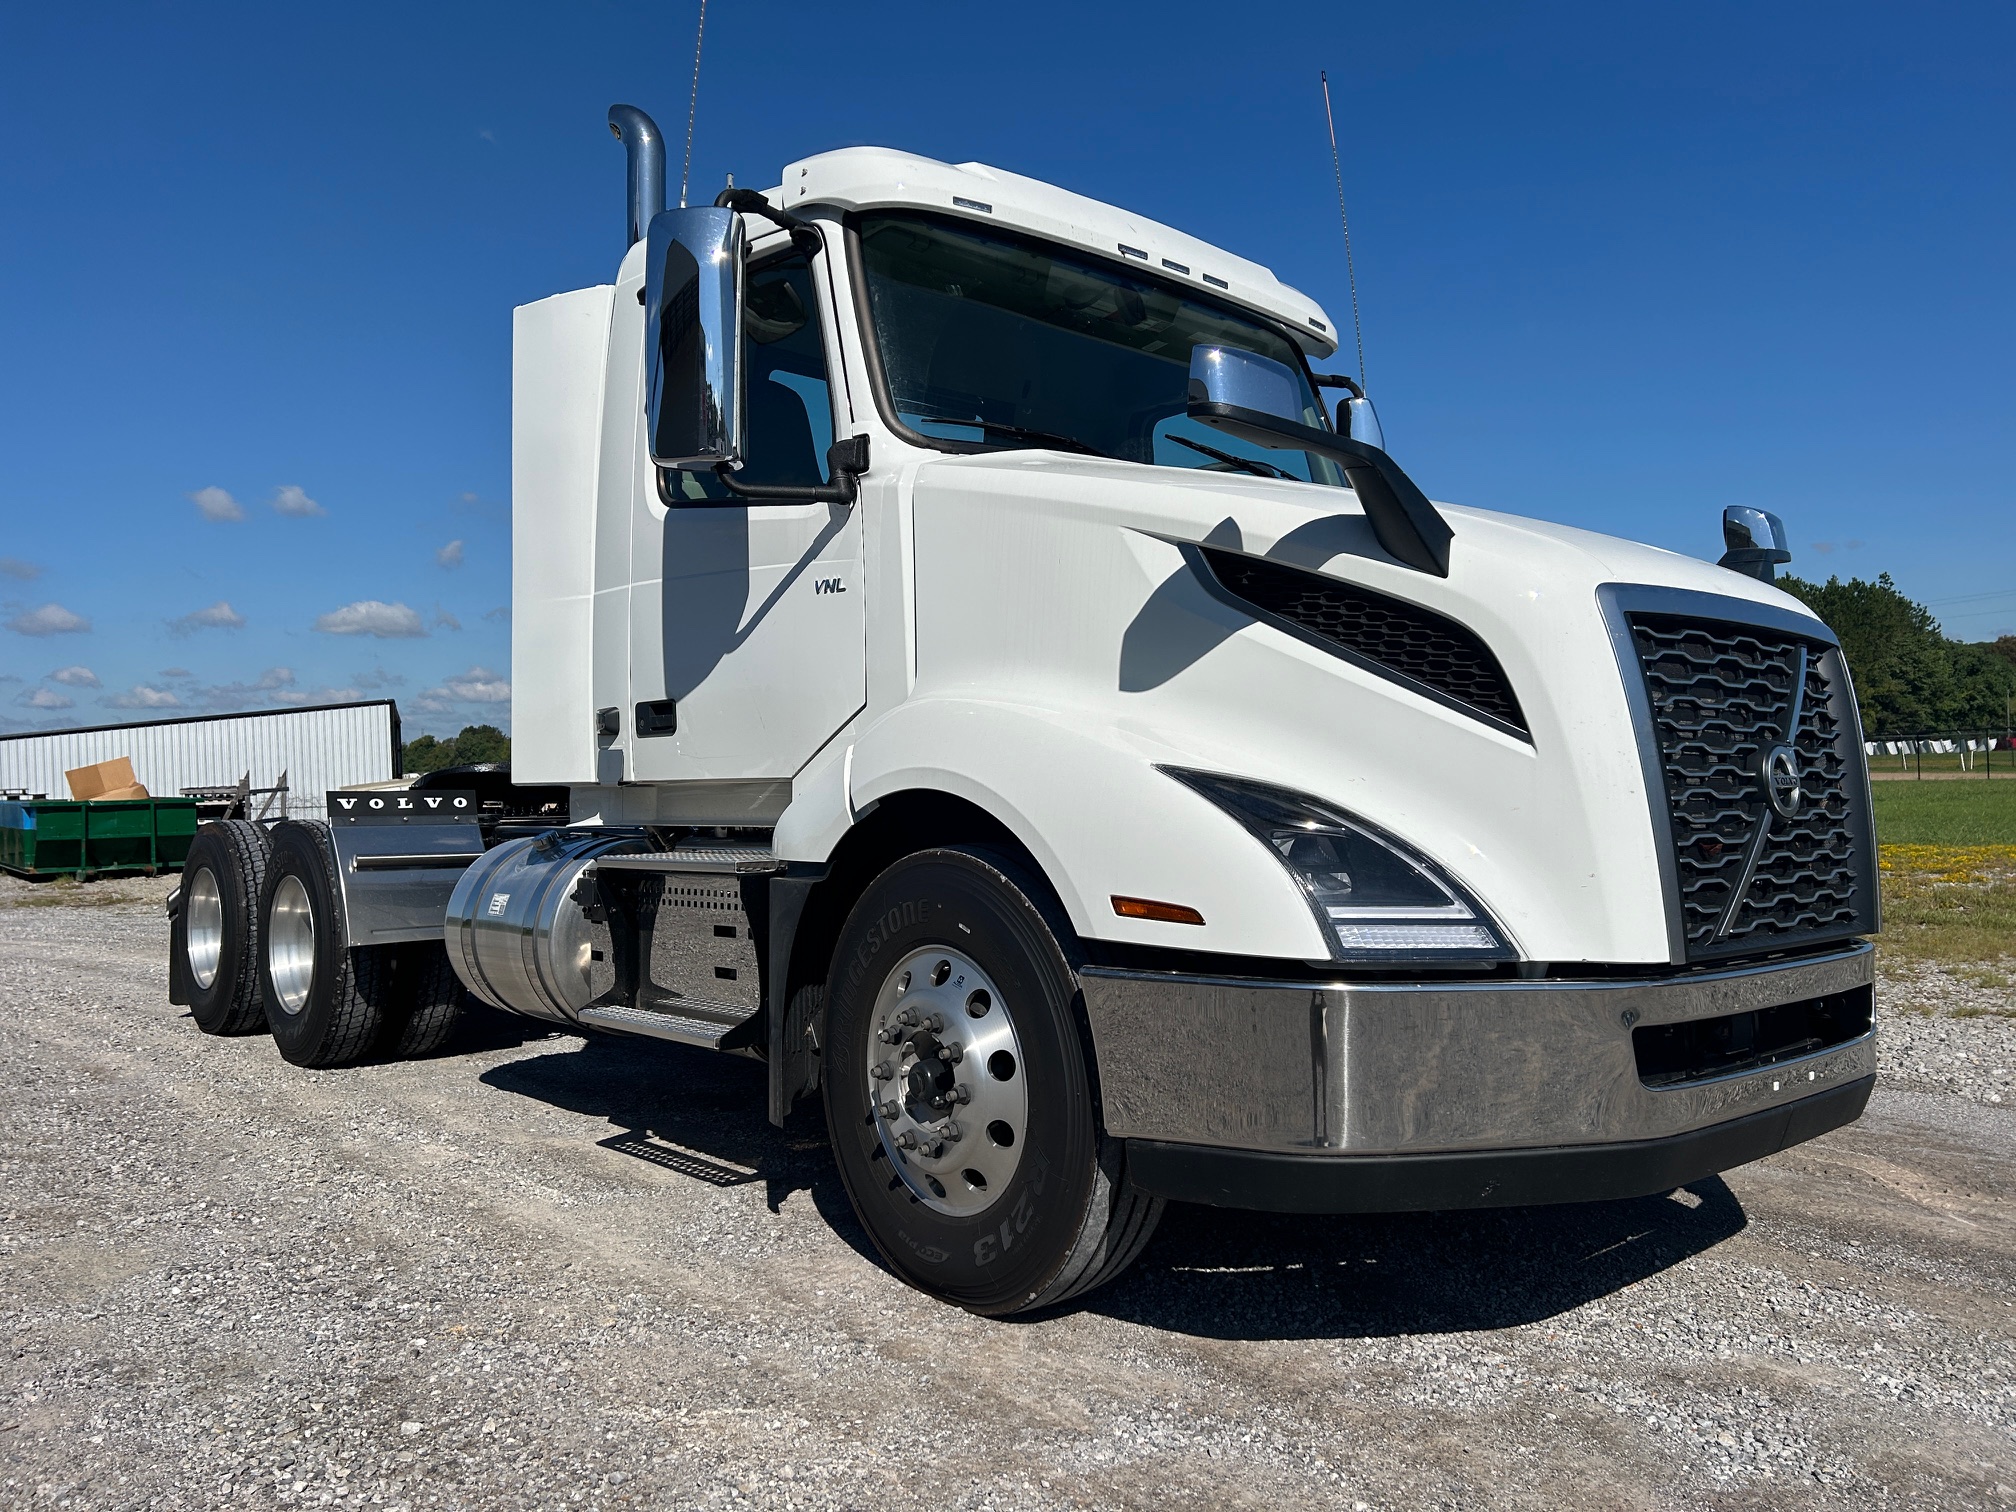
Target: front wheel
[(959, 1093)]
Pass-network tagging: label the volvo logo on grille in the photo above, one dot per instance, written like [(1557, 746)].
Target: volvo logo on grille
[(1781, 780)]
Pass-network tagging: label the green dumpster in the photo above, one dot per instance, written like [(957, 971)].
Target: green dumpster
[(61, 837)]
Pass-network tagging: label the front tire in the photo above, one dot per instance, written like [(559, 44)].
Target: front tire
[(959, 1092)]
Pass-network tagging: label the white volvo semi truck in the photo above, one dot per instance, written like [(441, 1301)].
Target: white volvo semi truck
[(990, 685)]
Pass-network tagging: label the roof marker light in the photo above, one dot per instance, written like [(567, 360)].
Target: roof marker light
[(1216, 283), (1174, 267), (1127, 251), (966, 204), (1318, 324)]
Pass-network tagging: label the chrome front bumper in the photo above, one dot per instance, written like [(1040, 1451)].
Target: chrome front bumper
[(1416, 1069)]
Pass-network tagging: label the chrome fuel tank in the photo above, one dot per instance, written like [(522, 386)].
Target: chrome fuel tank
[(517, 932)]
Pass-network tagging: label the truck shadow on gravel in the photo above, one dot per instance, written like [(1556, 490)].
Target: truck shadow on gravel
[(693, 1112), (1230, 1275), (1208, 1272)]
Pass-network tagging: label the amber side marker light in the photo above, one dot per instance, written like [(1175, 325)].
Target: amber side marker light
[(1148, 908)]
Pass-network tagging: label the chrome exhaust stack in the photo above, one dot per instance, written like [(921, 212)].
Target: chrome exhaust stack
[(646, 149)]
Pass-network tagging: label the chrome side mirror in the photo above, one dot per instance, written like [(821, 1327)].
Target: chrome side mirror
[(693, 296), (1245, 380), (1755, 539), (1357, 419)]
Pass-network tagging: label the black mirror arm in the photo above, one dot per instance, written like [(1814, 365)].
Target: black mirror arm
[(749, 202), (845, 460), (1407, 525)]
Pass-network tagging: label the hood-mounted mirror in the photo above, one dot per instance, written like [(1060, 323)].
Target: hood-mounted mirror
[(1260, 400), (1755, 539)]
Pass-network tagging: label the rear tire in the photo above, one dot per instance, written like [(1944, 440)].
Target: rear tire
[(427, 1001), (1029, 1205), (214, 942), (327, 1002)]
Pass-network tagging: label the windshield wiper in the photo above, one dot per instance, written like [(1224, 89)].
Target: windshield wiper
[(1246, 464), (1024, 433)]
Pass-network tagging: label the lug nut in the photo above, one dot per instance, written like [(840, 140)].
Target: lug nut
[(907, 1140), (962, 1093), (882, 1071), (934, 1023), (951, 1053), (952, 1131), (890, 1110), (888, 1034), (907, 1016)]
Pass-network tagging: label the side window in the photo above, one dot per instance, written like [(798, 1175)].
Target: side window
[(788, 405)]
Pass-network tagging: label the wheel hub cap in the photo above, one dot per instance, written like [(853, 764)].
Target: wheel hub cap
[(290, 944), (944, 1042), (203, 927)]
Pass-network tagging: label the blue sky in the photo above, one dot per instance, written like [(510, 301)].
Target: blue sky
[(1621, 265)]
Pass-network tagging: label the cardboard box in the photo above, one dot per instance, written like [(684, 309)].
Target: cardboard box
[(122, 795), (96, 781)]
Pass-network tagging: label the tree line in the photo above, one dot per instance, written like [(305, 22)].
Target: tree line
[(476, 744), (1909, 678)]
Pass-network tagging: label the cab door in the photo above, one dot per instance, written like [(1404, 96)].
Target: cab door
[(746, 620)]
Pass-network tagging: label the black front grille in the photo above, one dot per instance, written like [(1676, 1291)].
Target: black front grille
[(1722, 698), (1388, 635)]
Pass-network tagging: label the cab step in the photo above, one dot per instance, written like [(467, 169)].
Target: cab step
[(684, 1029), (716, 860)]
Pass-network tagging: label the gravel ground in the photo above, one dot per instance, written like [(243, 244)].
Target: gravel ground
[(538, 1271)]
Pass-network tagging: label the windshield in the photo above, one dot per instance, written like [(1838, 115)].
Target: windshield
[(991, 341)]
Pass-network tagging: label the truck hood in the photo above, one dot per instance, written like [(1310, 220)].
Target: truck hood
[(1060, 584)]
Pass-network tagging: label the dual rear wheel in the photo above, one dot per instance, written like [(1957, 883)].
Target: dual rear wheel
[(260, 941)]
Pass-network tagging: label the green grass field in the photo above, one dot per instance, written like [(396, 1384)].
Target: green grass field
[(1945, 813)]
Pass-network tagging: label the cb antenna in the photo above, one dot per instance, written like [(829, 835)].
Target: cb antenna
[(1336, 167), (693, 106)]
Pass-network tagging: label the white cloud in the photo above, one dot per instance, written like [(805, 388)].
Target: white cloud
[(140, 696), (376, 678), (478, 685), (75, 677), (450, 555), (292, 499), (219, 616), (50, 619), (216, 504), (46, 698), (14, 567), (443, 620), (275, 685), (501, 612), (370, 617)]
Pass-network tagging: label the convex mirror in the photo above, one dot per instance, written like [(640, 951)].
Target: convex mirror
[(694, 291)]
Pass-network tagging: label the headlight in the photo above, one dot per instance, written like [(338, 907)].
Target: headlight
[(1375, 898)]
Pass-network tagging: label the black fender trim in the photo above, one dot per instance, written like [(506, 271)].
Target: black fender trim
[(1276, 1182)]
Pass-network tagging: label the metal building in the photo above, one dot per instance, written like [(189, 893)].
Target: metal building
[(319, 747)]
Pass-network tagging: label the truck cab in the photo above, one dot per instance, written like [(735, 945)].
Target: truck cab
[(996, 687)]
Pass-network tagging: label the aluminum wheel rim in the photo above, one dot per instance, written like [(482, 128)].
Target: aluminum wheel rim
[(290, 944), (953, 1127), (203, 928)]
